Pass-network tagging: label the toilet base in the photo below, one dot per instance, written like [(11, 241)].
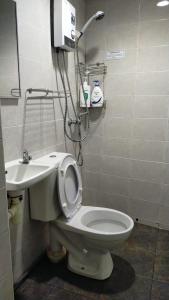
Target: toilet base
[(93, 265)]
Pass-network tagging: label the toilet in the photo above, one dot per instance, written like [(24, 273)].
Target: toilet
[(88, 233)]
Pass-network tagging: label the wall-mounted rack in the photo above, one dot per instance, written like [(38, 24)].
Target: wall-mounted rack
[(93, 69), (45, 94), (93, 73)]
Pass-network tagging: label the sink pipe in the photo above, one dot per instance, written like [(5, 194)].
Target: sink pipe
[(15, 210)]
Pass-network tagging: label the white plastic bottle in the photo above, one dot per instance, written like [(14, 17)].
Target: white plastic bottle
[(85, 98), (97, 95)]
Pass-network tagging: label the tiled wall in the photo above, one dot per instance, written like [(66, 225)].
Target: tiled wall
[(6, 278), (127, 152), (43, 131)]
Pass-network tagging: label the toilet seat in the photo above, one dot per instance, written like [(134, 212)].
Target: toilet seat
[(69, 186)]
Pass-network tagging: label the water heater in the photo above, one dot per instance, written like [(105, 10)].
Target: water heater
[(63, 16)]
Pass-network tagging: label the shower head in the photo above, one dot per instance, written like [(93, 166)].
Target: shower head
[(97, 16)]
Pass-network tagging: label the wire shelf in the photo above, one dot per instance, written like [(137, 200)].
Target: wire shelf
[(93, 69)]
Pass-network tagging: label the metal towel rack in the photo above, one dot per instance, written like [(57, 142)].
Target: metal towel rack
[(47, 94)]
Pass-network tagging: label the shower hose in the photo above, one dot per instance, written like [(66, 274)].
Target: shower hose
[(77, 121)]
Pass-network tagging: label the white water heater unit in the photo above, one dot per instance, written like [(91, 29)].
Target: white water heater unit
[(63, 15)]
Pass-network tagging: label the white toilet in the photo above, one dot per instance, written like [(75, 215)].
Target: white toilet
[(88, 233)]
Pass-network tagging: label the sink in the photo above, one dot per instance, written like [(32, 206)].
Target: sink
[(20, 176)]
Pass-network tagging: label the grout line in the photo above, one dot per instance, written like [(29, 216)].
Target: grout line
[(158, 230)]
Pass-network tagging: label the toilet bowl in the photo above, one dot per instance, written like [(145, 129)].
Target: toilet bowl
[(99, 227), (88, 233)]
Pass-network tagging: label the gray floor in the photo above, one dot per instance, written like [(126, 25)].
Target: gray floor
[(141, 272)]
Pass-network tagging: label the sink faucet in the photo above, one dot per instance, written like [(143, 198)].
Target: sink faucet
[(26, 157)]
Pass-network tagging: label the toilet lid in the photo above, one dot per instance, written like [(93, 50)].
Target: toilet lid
[(69, 186)]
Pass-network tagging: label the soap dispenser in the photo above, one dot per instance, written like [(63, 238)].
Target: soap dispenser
[(85, 94), (97, 95)]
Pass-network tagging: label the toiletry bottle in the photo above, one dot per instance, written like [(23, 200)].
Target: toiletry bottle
[(85, 99), (97, 95)]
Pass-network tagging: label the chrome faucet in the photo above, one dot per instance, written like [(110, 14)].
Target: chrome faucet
[(26, 157)]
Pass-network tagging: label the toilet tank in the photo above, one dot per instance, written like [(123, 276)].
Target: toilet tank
[(44, 202)]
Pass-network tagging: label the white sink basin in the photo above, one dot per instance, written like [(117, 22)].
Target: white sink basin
[(20, 176)]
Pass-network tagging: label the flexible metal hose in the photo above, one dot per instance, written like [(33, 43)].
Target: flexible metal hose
[(66, 106), (80, 155)]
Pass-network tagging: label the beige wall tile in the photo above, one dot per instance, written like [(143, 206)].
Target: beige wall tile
[(151, 106), (163, 217), (89, 197), (116, 147), (92, 144), (91, 180), (148, 150), (148, 171), (9, 112), (119, 106), (121, 36), (166, 174), (151, 129), (123, 12), (119, 84), (92, 162), (127, 64), (167, 152), (150, 11), (153, 59), (118, 128), (94, 55), (111, 201), (99, 42), (155, 33), (114, 185), (116, 166), (152, 83), (149, 191), (165, 195)]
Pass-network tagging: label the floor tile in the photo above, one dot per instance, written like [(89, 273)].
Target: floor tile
[(141, 260), (65, 295), (161, 268), (61, 294), (160, 291), (31, 290), (163, 242), (140, 290), (144, 237)]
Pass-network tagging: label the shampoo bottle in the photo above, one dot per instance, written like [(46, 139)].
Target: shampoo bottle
[(97, 95), (85, 94)]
